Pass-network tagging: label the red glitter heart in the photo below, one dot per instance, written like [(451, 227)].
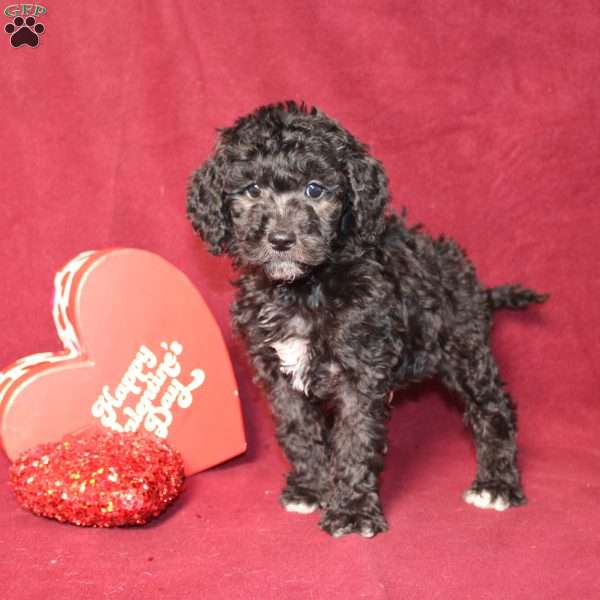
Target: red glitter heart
[(101, 480)]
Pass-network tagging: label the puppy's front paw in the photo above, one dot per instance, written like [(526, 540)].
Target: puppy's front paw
[(298, 500), (497, 496), (339, 522)]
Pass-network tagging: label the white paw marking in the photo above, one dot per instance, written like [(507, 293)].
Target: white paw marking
[(300, 507), (367, 532), (483, 499), (294, 359)]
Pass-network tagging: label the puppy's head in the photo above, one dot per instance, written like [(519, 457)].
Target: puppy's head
[(287, 187)]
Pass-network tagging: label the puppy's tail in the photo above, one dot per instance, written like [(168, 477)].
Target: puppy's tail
[(513, 296)]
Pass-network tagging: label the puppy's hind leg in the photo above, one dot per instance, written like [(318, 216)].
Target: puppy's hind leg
[(490, 413)]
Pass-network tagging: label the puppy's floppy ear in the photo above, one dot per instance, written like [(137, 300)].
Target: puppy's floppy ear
[(206, 208), (369, 191)]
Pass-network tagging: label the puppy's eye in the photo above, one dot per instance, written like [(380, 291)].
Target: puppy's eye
[(253, 191), (314, 190)]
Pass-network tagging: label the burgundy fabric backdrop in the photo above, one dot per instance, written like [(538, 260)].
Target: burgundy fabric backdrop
[(487, 117)]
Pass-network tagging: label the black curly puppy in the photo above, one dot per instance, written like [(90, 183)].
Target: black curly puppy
[(339, 304)]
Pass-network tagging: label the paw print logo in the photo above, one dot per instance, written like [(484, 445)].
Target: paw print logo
[(24, 31)]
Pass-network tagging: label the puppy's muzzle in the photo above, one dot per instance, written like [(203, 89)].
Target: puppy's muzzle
[(281, 240)]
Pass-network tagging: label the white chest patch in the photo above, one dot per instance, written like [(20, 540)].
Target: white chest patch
[(294, 359)]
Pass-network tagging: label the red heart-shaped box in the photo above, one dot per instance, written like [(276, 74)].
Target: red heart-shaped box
[(142, 351)]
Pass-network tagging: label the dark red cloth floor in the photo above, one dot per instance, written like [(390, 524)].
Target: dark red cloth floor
[(487, 117)]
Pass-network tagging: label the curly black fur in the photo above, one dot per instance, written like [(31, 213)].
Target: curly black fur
[(339, 304)]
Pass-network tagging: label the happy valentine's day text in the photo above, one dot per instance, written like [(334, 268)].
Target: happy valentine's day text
[(147, 384)]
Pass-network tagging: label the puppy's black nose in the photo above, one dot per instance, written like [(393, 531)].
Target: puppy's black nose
[(282, 240)]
